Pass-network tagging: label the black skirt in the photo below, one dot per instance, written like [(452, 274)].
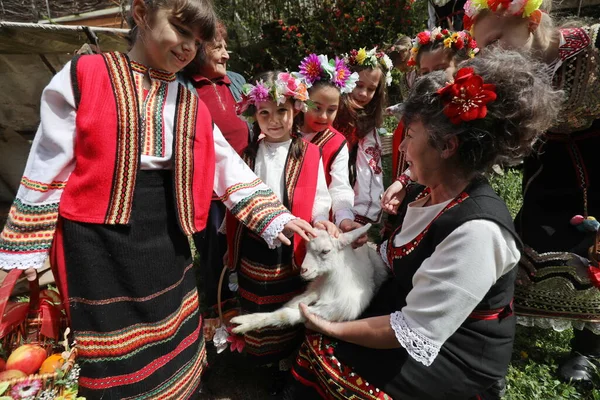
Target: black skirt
[(133, 300)]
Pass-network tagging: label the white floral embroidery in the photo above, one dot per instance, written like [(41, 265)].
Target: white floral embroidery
[(418, 346)]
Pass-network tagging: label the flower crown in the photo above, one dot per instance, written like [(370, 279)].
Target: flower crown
[(452, 40), (371, 59), (315, 68), (524, 8), (285, 86), (467, 97)]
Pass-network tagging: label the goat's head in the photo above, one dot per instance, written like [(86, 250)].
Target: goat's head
[(323, 252)]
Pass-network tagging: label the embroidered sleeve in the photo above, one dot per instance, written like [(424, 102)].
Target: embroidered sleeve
[(368, 188), (29, 230), (342, 195), (451, 283), (245, 195), (322, 204)]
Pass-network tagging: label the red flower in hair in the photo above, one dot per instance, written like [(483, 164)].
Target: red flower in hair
[(467, 22), (467, 97), (424, 37)]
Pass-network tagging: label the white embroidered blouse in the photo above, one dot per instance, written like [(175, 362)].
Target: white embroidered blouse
[(51, 160), (342, 195), (270, 167), (451, 282), (368, 187)]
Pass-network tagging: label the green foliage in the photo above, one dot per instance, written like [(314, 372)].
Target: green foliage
[(508, 186), (331, 27)]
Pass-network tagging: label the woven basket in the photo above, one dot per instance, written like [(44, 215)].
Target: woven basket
[(386, 144), (40, 321)]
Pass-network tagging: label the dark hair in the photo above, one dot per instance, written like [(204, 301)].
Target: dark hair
[(451, 54), (295, 151), (525, 107), (200, 60), (199, 14), (353, 119)]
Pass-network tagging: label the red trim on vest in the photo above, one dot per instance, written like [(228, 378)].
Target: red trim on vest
[(331, 142), (397, 155), (301, 177), (101, 187)]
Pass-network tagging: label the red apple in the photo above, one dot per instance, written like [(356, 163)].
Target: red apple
[(27, 358), (2, 364), (11, 374)]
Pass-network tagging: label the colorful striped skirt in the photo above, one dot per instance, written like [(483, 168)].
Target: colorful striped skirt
[(267, 280), (133, 300)]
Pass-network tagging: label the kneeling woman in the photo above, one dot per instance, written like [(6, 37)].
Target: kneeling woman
[(442, 327)]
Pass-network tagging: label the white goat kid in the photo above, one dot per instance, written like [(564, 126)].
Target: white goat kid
[(344, 281)]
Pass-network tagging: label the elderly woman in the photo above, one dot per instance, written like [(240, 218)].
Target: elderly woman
[(220, 90), (442, 327)]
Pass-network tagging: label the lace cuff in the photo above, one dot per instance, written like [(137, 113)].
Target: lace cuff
[(275, 228), (23, 261), (418, 346), (383, 254)]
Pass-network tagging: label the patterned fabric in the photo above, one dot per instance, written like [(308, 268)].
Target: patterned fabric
[(28, 233), (557, 286), (579, 77), (317, 367), (128, 139), (138, 330)]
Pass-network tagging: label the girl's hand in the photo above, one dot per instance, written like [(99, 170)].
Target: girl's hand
[(299, 226), (30, 274), (328, 226), (316, 323), (348, 225), (392, 197)]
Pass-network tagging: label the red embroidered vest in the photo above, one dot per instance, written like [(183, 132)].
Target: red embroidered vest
[(107, 147), (300, 181), (331, 142)]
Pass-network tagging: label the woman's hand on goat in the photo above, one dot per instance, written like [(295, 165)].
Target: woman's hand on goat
[(328, 226), (299, 226), (392, 197), (316, 323)]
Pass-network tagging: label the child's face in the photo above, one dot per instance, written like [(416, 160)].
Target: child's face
[(436, 60), (275, 121), (167, 43), (508, 32), (366, 86), (319, 118)]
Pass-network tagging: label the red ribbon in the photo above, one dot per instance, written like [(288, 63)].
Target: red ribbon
[(594, 275)]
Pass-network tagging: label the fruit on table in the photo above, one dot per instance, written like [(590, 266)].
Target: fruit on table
[(27, 358), (52, 363), (11, 374)]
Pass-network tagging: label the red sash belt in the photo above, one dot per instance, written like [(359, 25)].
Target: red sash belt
[(497, 313)]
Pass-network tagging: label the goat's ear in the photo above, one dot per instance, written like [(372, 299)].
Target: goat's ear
[(347, 238)]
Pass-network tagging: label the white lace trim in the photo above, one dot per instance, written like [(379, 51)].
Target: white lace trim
[(23, 261), (558, 325), (418, 346), (383, 254), (275, 228)]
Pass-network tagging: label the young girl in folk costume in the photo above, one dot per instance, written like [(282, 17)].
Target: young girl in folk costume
[(360, 114), (292, 167), (326, 81), (438, 49), (122, 168), (561, 182)]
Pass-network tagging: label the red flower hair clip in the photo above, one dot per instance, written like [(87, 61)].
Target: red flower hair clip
[(466, 99)]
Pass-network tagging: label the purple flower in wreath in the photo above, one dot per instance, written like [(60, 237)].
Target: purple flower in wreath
[(259, 93), (342, 72), (311, 69)]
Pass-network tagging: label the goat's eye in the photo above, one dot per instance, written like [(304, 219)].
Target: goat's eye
[(325, 252)]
